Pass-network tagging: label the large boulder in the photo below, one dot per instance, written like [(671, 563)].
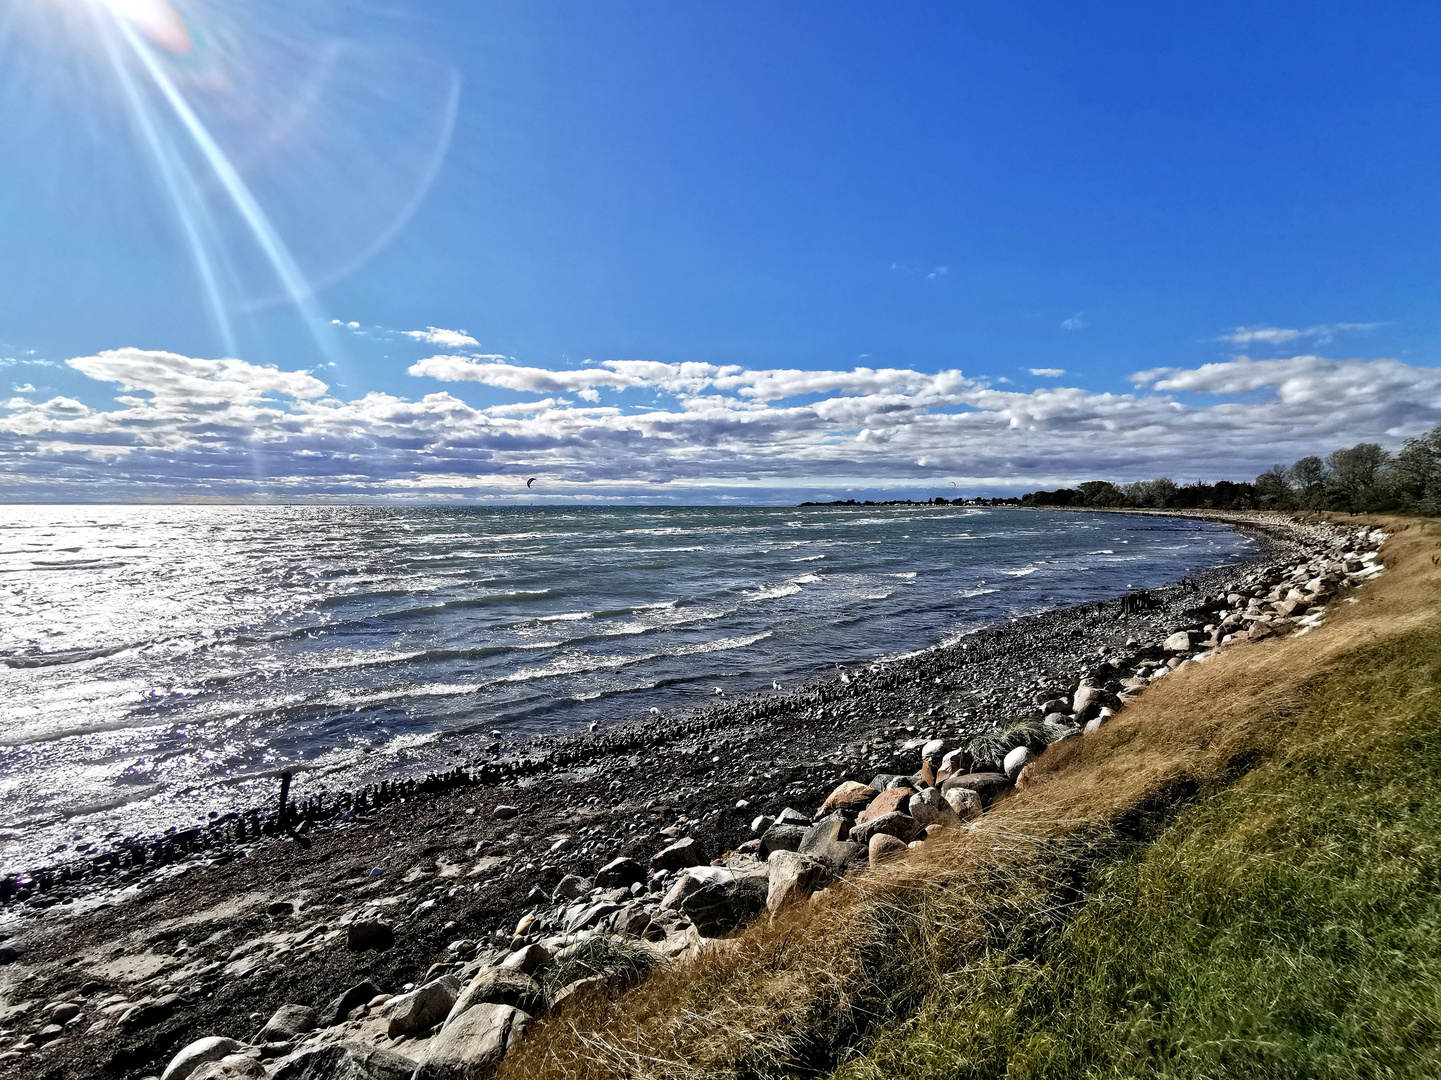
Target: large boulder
[(358, 995), (793, 877), (717, 898), (472, 1047), (782, 838), (964, 802), (884, 848), (288, 1022), (230, 1067), (1182, 641), (929, 807), (902, 826), (988, 785), (1087, 702), (370, 934), (887, 802), (500, 986), (201, 1052), (678, 856), (343, 1061), (530, 959), (1016, 760), (619, 873), (851, 797), (956, 763), (827, 840), (423, 1007)]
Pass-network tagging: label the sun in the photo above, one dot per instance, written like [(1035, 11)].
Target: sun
[(156, 19)]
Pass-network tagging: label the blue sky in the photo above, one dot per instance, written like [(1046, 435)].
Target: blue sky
[(797, 247)]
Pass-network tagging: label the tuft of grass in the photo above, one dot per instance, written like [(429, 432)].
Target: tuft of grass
[(622, 960), (992, 747)]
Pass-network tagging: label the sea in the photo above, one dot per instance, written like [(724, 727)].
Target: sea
[(160, 662)]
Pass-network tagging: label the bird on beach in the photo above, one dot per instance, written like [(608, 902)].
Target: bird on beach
[(531, 481), (654, 711), (719, 692), (775, 684)]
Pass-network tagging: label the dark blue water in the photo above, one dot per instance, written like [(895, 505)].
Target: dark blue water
[(153, 659)]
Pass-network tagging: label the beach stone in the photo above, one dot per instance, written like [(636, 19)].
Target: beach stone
[(791, 816), (529, 959), (884, 847), (783, 838), (573, 886), (474, 1044), (370, 934), (589, 915), (499, 986), (824, 841), (678, 856), (148, 1013), (230, 1067), (761, 824), (280, 907), (1088, 699), (954, 763), (505, 813), (887, 802), (1016, 761), (1181, 641), (713, 896), (10, 952), (341, 1008), (343, 1061), (851, 796), (888, 780), (288, 1022), (929, 807), (422, 1008), (935, 749), (964, 802), (619, 872), (902, 826), (793, 877), (988, 785), (1055, 705), (201, 1052)]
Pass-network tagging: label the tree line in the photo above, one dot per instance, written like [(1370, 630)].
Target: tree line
[(1362, 479)]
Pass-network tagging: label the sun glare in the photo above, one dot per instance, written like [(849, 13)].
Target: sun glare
[(156, 19)]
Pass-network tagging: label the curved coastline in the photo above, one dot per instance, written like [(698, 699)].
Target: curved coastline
[(139, 860), (457, 859)]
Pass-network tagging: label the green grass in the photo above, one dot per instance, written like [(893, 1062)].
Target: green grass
[(1285, 925)]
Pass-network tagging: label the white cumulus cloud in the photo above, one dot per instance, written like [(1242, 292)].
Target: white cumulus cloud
[(1047, 372), (1321, 334), (446, 339), (637, 428)]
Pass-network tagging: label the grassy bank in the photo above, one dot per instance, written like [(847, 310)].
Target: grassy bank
[(1240, 876)]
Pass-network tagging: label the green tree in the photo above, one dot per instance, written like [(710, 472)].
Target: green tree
[(1308, 477), (1415, 473), (1273, 488), (1357, 477)]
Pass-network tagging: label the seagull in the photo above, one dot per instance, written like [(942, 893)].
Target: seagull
[(654, 711), (719, 692), (775, 684), (531, 481)]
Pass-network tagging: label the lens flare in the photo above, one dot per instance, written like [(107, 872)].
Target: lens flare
[(289, 142)]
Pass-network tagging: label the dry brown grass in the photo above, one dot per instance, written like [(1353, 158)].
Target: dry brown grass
[(786, 998)]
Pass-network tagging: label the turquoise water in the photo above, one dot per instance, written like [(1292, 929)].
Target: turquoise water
[(158, 657)]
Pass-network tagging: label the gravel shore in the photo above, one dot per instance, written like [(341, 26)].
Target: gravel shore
[(206, 935)]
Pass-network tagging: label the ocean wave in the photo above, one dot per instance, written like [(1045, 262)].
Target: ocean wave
[(774, 593), (809, 558), (966, 594), (907, 575), (1021, 572), (808, 579)]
